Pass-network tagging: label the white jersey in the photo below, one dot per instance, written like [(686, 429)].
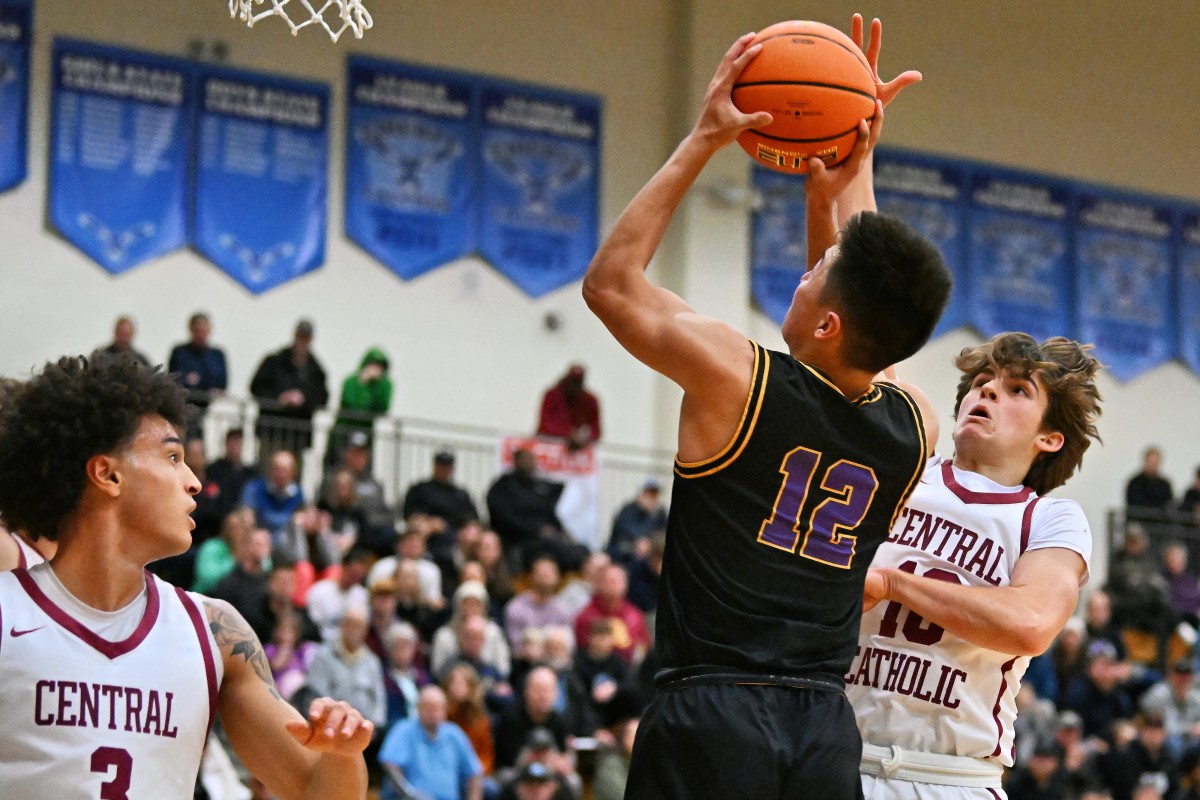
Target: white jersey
[(102, 705), (27, 555), (918, 686)]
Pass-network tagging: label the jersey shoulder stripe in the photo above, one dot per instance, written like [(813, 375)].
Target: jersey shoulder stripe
[(922, 455), (196, 615), (750, 412), (1027, 525)]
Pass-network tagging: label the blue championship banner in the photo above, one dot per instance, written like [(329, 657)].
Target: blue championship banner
[(778, 241), (261, 176), (1123, 253), (1188, 286), (929, 194), (119, 151), (411, 166), (540, 184), (1018, 254), (16, 19)]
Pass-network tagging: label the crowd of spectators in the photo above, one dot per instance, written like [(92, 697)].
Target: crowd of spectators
[(1112, 710), (502, 659), (499, 665)]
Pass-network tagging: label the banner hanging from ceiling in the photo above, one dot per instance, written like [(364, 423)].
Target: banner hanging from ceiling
[(16, 24), (261, 184), (411, 165), (120, 141), (1123, 267), (539, 196)]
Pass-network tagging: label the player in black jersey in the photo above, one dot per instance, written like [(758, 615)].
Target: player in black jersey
[(790, 470)]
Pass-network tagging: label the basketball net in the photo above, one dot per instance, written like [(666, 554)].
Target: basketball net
[(344, 15)]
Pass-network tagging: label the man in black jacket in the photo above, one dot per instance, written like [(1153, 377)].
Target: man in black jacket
[(521, 505), (289, 386)]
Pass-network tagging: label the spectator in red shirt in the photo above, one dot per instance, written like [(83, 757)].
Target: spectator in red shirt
[(630, 638), (570, 411)]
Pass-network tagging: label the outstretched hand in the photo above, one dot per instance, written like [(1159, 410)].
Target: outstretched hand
[(721, 121), (884, 91), (332, 727)]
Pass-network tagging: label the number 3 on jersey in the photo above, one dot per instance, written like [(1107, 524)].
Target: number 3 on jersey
[(826, 532), (104, 758)]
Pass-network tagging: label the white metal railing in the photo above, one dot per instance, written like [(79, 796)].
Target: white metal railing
[(403, 450)]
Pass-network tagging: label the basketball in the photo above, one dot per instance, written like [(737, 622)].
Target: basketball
[(817, 85)]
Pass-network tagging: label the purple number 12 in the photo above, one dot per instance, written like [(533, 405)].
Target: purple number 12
[(826, 532)]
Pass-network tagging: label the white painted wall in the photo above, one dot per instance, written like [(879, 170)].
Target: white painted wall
[(1096, 91)]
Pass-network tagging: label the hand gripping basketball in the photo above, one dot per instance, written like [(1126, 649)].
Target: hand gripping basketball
[(817, 85), (721, 120), (829, 182)]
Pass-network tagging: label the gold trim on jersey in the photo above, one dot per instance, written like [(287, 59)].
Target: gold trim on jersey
[(741, 436), (922, 457), (869, 396)]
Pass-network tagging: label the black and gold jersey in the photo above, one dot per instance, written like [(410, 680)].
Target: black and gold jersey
[(768, 542)]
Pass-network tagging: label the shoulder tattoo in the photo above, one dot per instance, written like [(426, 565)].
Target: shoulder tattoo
[(234, 636)]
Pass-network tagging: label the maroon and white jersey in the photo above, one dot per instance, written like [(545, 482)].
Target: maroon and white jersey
[(27, 556), (918, 686), (102, 705)]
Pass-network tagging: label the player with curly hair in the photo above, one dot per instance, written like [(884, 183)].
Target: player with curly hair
[(109, 676), (17, 548)]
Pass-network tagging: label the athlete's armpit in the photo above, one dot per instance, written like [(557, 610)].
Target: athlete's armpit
[(236, 639)]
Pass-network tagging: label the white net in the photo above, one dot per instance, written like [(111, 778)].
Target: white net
[(335, 16)]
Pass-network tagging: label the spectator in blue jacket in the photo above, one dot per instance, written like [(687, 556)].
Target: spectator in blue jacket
[(199, 366), (430, 757), (275, 497)]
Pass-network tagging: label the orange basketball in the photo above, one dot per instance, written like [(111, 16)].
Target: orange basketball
[(817, 85)]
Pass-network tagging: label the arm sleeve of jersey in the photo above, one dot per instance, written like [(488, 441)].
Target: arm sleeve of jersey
[(218, 662), (1062, 523)]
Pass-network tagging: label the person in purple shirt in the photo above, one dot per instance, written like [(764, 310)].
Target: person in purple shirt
[(1184, 587), (538, 605)]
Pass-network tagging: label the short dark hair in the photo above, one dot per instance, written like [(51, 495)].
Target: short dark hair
[(1067, 370), (73, 410), (358, 553), (889, 285), (199, 316)]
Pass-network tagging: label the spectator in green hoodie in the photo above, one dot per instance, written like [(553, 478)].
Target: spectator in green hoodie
[(366, 394)]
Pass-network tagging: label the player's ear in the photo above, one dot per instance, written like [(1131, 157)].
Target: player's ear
[(1050, 441), (103, 472), (830, 325)]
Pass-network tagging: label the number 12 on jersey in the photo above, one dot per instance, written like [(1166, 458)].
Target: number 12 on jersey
[(825, 535)]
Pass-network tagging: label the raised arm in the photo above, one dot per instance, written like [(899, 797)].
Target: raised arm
[(319, 758), (652, 323), (833, 196)]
